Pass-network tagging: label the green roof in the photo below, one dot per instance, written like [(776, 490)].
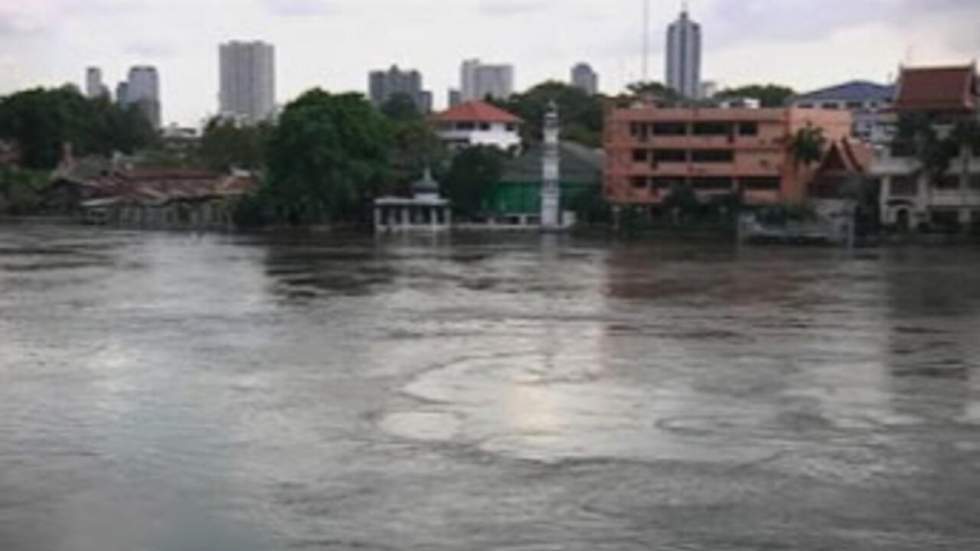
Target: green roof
[(579, 165)]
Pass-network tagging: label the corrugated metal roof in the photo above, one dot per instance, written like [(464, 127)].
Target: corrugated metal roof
[(855, 90)]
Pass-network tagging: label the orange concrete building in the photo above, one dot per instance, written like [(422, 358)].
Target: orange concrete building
[(650, 149)]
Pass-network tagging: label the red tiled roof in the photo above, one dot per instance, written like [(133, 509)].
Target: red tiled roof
[(938, 89), (476, 111)]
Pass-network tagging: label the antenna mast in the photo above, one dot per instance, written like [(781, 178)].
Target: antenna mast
[(646, 40)]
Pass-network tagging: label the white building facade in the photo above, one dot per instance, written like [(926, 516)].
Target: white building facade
[(684, 56), (247, 81), (479, 81), (477, 123), (910, 198)]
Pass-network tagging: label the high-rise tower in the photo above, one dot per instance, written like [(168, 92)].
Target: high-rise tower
[(248, 80), (684, 56)]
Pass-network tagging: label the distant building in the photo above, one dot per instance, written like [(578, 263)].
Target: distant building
[(247, 81), (479, 81), (716, 152), (865, 100), (455, 97), (382, 85), (426, 210), (94, 87), (911, 198), (585, 79), (478, 123), (684, 56), (709, 89), (142, 89)]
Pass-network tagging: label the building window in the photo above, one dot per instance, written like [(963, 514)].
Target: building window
[(948, 182), (947, 219), (665, 183), (748, 129), (712, 184), (832, 105), (511, 127), (904, 186), (465, 126), (975, 182), (670, 129), (639, 155), (669, 156), (712, 156), (855, 105), (761, 184), (638, 182), (805, 106), (712, 129), (484, 126)]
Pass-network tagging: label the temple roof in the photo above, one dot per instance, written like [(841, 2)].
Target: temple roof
[(938, 89)]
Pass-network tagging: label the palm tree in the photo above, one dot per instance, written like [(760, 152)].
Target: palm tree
[(808, 145)]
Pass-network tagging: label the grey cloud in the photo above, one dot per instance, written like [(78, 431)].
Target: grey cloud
[(150, 49), (299, 8), (505, 8)]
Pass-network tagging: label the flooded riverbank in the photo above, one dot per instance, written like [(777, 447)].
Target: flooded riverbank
[(173, 391)]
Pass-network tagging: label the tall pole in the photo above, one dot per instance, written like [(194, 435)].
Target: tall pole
[(646, 40), (551, 172)]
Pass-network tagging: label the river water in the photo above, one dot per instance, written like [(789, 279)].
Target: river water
[(176, 392)]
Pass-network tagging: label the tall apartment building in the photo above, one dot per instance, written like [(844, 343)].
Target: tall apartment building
[(94, 87), (142, 88), (479, 80), (585, 79), (912, 198), (382, 85), (715, 151), (684, 56), (247, 80)]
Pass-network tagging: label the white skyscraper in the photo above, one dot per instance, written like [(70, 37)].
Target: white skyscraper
[(585, 79), (477, 81), (142, 89), (248, 80), (684, 56), (94, 88)]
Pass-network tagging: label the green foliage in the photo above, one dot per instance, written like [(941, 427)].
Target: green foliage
[(769, 95), (471, 178), (808, 144), (401, 108), (581, 114), (21, 190), (657, 89), (591, 207), (416, 146), (916, 132), (226, 145), (328, 156), (41, 121)]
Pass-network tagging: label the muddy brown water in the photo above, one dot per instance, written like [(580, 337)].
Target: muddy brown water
[(176, 392)]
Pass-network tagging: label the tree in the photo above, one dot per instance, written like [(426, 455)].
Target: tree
[(916, 134), (807, 145), (226, 145), (41, 121), (416, 146), (401, 108), (581, 113), (471, 177), (769, 95), (682, 202), (657, 89), (326, 159)]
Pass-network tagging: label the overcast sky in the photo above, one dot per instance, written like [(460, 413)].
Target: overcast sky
[(333, 43)]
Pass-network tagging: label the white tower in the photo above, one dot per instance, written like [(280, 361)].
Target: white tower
[(551, 182)]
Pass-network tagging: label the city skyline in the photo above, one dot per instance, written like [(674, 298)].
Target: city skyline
[(50, 42)]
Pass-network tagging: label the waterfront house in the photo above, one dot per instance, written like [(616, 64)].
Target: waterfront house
[(944, 100), (478, 123)]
